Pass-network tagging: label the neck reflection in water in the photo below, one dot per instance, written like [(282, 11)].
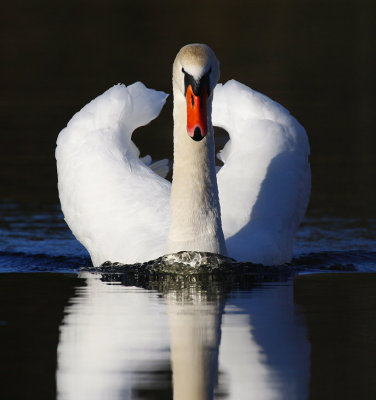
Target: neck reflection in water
[(181, 339)]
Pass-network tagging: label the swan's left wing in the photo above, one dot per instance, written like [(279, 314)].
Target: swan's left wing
[(115, 204), (264, 185)]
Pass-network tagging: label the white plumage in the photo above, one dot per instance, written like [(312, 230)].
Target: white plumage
[(115, 205), (118, 207), (264, 185)]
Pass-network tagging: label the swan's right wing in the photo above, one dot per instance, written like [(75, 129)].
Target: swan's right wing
[(115, 204), (265, 182)]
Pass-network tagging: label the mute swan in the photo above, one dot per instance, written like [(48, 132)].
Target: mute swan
[(121, 210)]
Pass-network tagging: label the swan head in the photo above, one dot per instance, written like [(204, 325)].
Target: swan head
[(195, 75)]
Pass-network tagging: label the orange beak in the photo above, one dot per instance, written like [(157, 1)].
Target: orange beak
[(197, 113)]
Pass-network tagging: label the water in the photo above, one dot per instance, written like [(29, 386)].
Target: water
[(304, 331), (35, 240), (74, 334), (95, 337)]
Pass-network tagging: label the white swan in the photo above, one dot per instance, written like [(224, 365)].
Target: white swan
[(121, 210)]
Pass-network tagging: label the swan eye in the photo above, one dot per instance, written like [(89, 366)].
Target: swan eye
[(197, 86)]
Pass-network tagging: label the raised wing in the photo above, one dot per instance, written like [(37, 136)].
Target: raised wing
[(115, 205), (265, 182)]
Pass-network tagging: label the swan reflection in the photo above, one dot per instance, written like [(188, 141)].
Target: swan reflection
[(112, 338), (123, 342), (195, 318)]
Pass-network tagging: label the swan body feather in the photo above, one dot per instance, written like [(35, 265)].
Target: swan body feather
[(264, 185), (115, 204), (118, 205)]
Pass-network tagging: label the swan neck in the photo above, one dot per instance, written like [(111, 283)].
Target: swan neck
[(195, 210)]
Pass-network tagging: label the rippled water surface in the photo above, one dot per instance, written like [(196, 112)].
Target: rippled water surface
[(34, 240)]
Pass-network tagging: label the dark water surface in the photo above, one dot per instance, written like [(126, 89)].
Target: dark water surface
[(69, 334)]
